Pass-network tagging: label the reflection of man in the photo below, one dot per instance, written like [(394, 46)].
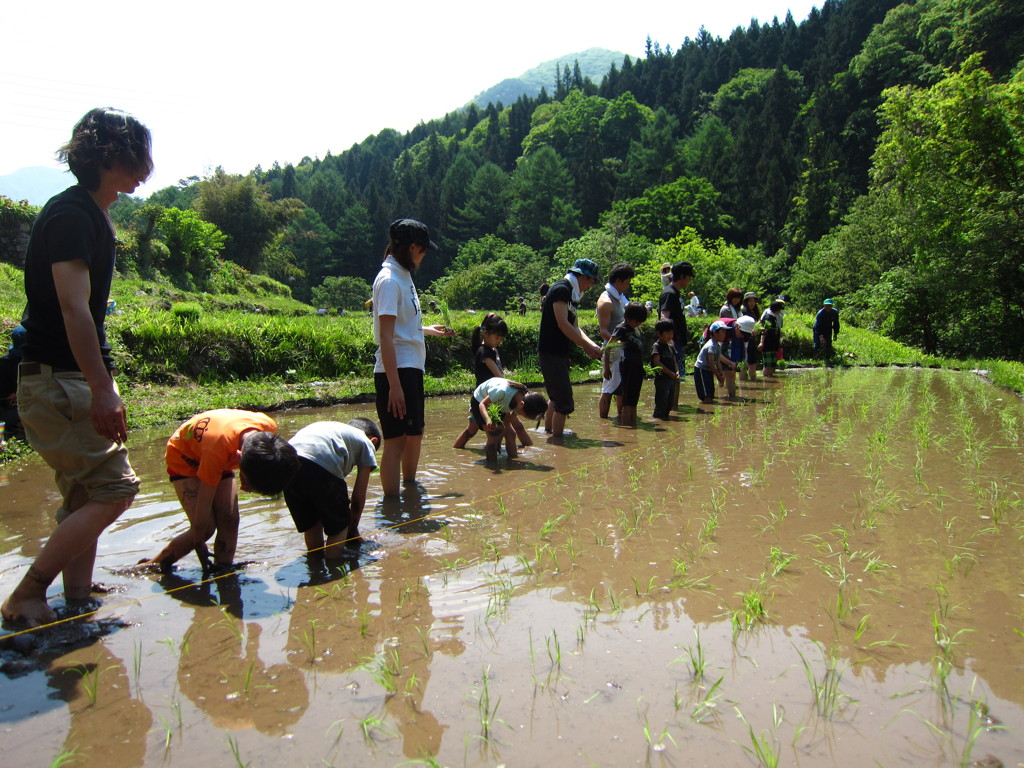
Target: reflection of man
[(559, 330), (670, 307), (611, 305), (92, 717)]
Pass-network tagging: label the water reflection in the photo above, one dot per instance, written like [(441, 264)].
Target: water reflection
[(870, 515)]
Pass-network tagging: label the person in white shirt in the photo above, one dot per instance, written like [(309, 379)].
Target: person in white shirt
[(401, 352)]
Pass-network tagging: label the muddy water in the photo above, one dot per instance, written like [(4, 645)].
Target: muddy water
[(828, 570)]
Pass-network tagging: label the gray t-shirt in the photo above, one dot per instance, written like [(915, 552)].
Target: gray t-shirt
[(336, 447)]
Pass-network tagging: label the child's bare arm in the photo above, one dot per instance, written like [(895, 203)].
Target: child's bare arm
[(358, 499), (492, 366)]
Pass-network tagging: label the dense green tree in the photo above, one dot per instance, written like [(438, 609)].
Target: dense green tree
[(486, 206), (193, 245), (661, 212), (489, 273), (347, 293), (936, 243), (310, 241), (354, 246), (542, 214), (241, 208), (653, 158)]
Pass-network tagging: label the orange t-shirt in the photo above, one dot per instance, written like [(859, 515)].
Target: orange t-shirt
[(206, 446)]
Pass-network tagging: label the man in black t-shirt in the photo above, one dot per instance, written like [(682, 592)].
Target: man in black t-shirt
[(559, 330), (670, 307), (70, 407)]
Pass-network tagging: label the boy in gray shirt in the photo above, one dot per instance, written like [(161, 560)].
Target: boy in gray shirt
[(318, 497)]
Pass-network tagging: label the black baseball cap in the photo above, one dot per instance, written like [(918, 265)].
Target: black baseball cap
[(408, 231)]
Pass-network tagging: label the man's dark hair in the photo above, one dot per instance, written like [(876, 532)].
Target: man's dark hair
[(681, 269), (104, 138), (368, 426), (269, 462), (635, 311), (621, 271), (664, 325)]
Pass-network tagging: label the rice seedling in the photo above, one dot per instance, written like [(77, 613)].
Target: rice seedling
[(235, 752), (706, 707), (827, 697), (64, 757), (373, 727), (364, 621), (554, 650), (764, 748), (780, 560), (486, 711), (708, 527), (385, 667), (137, 666), (89, 676), (645, 591), (804, 477), (846, 603), (656, 743), (979, 721), (501, 588), (862, 626), (751, 611), (697, 663), (309, 640)]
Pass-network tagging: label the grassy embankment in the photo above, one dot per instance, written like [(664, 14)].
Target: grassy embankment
[(270, 352)]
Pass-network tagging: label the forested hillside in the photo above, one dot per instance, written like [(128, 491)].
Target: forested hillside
[(871, 152)]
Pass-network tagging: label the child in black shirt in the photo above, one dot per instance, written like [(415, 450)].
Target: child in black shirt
[(663, 358), (631, 363)]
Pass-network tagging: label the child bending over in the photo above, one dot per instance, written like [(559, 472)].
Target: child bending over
[(510, 397), (318, 497), (708, 366), (202, 456)]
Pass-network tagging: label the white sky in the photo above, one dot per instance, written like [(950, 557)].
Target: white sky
[(236, 84)]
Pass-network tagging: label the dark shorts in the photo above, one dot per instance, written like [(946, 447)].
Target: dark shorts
[(172, 476), (632, 381), (317, 496), (555, 370), (704, 381), (411, 380), (753, 353), (474, 412)]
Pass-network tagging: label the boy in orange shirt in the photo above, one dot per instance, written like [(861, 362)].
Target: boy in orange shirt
[(202, 456)]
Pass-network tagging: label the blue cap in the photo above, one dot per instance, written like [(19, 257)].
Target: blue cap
[(586, 268)]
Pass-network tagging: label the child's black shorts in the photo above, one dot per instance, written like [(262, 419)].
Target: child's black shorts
[(317, 496), (411, 380), (631, 382)]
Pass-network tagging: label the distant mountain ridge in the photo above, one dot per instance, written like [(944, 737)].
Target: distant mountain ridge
[(594, 63), (37, 184)]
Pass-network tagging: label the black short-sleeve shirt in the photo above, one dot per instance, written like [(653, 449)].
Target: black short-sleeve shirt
[(70, 227), (671, 303), (480, 369), (550, 338)]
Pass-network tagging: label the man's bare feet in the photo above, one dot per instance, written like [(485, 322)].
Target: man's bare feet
[(31, 612)]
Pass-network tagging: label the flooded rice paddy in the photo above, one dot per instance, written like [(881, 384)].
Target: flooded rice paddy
[(826, 573)]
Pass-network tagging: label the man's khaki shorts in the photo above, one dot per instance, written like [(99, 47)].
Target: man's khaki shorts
[(55, 410)]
